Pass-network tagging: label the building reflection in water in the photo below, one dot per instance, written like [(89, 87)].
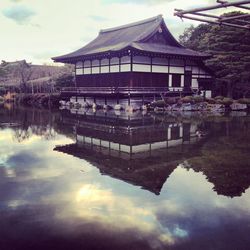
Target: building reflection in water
[(139, 149)]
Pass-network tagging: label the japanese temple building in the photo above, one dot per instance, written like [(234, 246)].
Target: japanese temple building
[(141, 58)]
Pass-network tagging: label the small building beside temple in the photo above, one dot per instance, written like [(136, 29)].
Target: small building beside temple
[(137, 59)]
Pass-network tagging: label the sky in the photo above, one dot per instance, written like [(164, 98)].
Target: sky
[(38, 30)]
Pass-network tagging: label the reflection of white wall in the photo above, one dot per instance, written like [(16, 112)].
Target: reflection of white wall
[(141, 148), (125, 148), (105, 144), (88, 140), (181, 131), (96, 141), (114, 146), (157, 145)]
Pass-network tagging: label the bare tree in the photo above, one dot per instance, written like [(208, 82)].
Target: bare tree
[(24, 72)]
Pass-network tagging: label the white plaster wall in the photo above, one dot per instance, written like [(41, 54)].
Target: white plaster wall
[(87, 71), (114, 68), (182, 80), (125, 67), (141, 68), (104, 69), (159, 69), (195, 83), (176, 70), (79, 71), (208, 94), (95, 70), (170, 81)]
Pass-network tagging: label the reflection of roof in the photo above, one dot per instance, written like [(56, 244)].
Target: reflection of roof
[(136, 36), (150, 173)]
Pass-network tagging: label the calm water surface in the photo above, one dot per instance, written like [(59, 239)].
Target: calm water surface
[(83, 180)]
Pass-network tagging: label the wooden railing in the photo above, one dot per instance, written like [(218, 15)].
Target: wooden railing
[(120, 90)]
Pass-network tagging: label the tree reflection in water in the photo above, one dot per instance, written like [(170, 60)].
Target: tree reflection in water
[(145, 149)]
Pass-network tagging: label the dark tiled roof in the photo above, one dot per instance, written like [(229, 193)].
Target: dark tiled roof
[(166, 49), (132, 35)]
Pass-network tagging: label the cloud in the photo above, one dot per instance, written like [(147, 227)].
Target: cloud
[(150, 2), (20, 14), (98, 18)]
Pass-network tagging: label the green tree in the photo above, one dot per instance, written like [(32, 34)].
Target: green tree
[(230, 50)]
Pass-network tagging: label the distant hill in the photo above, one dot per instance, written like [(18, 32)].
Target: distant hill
[(20, 72)]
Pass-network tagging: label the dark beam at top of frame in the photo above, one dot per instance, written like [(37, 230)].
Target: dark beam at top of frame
[(217, 6)]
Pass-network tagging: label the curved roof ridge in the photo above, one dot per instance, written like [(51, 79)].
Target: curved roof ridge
[(155, 18)]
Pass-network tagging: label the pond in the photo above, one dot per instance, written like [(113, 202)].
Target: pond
[(78, 179)]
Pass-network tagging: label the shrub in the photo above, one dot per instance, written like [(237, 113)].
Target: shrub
[(226, 101), (187, 99), (244, 101), (171, 100), (198, 99), (211, 100), (219, 97), (159, 103)]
